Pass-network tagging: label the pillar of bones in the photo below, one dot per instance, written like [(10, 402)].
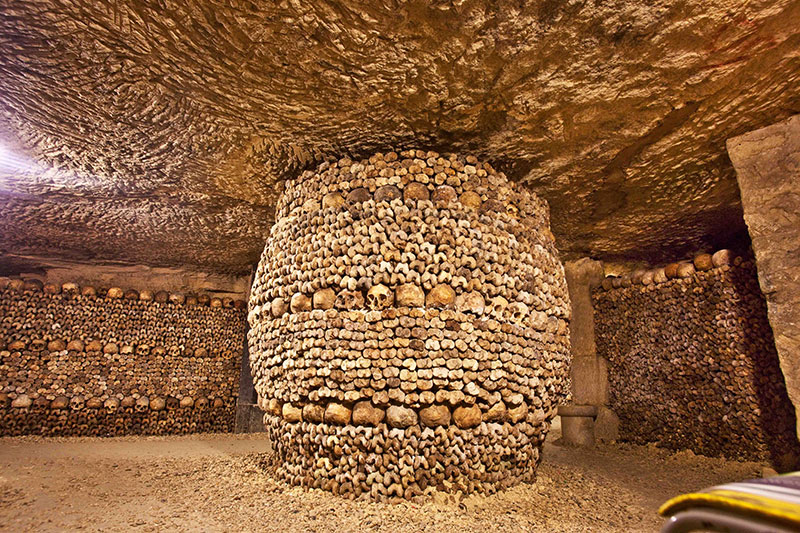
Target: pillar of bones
[(409, 327)]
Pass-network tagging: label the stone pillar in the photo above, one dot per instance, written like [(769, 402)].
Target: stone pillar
[(589, 372), (587, 419), (409, 327), (767, 163)]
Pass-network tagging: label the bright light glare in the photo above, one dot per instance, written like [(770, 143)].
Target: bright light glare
[(11, 163)]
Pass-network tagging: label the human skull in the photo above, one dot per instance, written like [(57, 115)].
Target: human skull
[(254, 315), (324, 298), (70, 289), (416, 191), (539, 320), (278, 307), (311, 206), (517, 311), (349, 300), (37, 345), (131, 294), (387, 193), (498, 306), (471, 200), (115, 293), (51, 288), (441, 295), (470, 302), (300, 302), (33, 285), (444, 194), (111, 403), (333, 199), (358, 195), (379, 297), (88, 290), (410, 295), (75, 345)]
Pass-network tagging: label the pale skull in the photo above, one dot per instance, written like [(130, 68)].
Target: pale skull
[(498, 306), (518, 311), (379, 297), (470, 302), (70, 289)]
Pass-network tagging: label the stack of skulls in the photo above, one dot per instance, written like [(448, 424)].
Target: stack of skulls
[(692, 360), (82, 361), (409, 327)]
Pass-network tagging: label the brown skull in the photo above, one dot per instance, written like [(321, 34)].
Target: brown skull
[(349, 300)]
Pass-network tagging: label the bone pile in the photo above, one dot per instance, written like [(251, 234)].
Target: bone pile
[(85, 361), (409, 328), (692, 361)]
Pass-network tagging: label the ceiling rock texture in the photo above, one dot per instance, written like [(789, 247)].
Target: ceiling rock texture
[(160, 132)]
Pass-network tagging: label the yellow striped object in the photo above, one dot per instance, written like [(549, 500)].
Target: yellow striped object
[(776, 499)]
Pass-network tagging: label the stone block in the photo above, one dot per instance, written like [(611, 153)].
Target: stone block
[(577, 431), (589, 380), (606, 425), (767, 163)]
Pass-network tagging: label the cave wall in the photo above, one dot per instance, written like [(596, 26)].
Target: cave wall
[(692, 361), (767, 163), (154, 278), (116, 362)]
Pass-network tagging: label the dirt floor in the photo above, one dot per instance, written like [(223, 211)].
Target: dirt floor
[(216, 483)]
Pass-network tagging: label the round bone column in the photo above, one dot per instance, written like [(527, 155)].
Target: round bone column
[(409, 327)]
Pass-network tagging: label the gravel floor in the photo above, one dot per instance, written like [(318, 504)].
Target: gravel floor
[(216, 483)]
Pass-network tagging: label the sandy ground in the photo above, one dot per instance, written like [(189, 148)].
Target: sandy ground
[(216, 483)]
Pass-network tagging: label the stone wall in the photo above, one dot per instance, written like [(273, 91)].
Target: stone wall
[(409, 327), (84, 361), (767, 165), (692, 361)]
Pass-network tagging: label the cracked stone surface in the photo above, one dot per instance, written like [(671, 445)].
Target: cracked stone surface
[(767, 165), (160, 132)]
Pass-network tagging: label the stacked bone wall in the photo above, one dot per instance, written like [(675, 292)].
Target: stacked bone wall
[(75, 362), (692, 361), (409, 327)]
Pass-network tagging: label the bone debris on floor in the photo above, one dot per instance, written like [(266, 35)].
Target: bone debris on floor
[(212, 482)]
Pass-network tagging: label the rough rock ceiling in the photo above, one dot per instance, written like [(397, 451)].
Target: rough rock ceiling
[(158, 131)]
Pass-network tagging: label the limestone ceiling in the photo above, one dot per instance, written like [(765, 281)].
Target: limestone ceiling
[(158, 132)]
